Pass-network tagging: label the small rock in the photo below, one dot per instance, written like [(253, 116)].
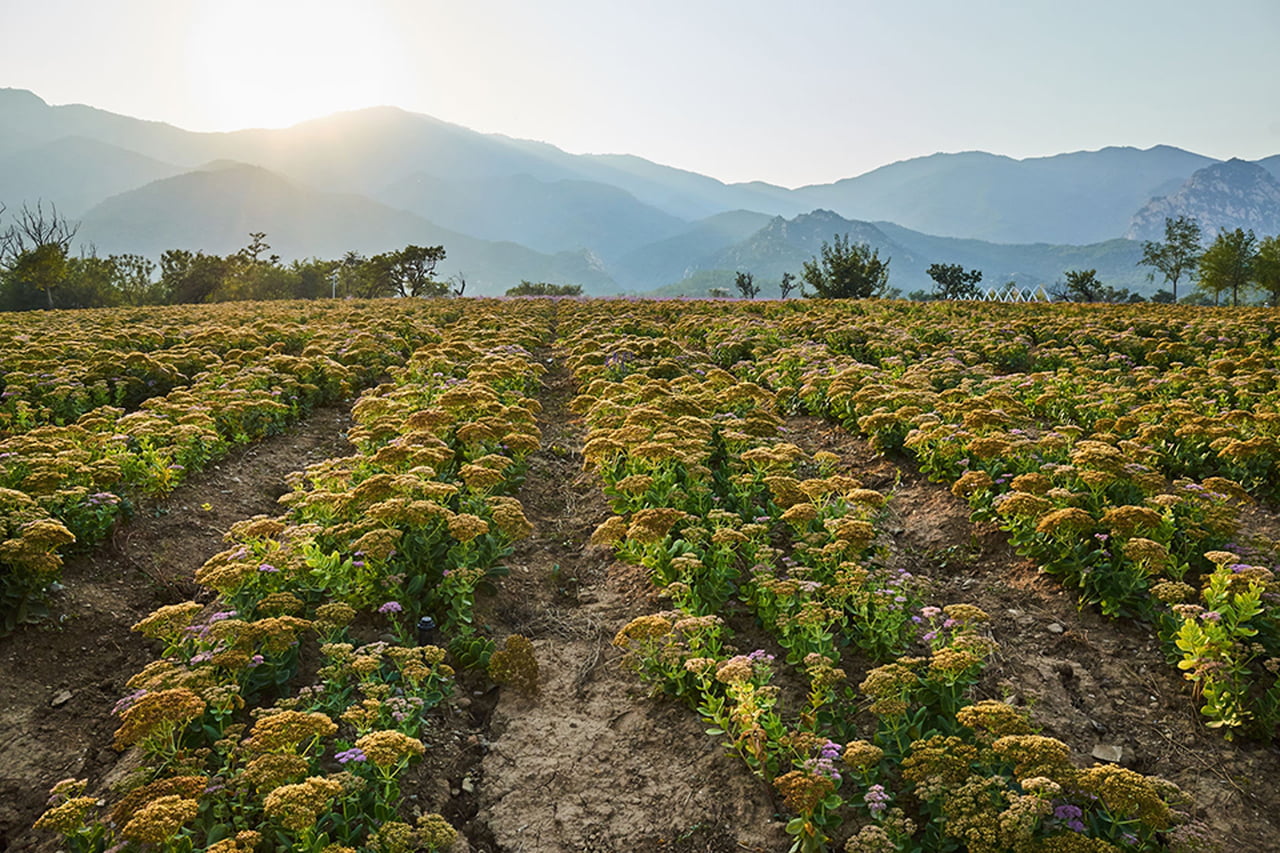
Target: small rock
[(61, 699), (468, 784), (1097, 726), (1054, 628), (1110, 753), (1014, 612)]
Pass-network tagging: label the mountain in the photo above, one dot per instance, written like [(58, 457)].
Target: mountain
[(368, 179), (1221, 197), (75, 173), (784, 245), (1272, 165), (1083, 197), (216, 208), (549, 216), (676, 257)]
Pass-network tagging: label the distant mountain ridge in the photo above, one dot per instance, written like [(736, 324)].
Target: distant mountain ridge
[(215, 209), (783, 245), (509, 209), (1221, 196), (1002, 200)]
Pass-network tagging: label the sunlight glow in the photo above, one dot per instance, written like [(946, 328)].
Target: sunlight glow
[(273, 64)]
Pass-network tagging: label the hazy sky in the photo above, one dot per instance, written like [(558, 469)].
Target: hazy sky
[(788, 92)]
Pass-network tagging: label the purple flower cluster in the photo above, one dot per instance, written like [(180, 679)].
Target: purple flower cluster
[(202, 631), (128, 701), (877, 800), (1070, 815), (825, 763), (355, 753), (390, 607)]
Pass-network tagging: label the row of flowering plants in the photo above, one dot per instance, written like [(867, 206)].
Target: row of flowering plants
[(66, 363), (64, 484), (1090, 468), (859, 711), (284, 715)]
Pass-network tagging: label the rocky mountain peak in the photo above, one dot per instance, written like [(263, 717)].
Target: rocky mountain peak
[(1221, 197)]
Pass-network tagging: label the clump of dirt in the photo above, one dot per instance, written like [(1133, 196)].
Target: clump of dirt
[(591, 763), (1100, 685), (60, 679)]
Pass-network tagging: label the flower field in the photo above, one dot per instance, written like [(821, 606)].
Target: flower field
[(798, 541)]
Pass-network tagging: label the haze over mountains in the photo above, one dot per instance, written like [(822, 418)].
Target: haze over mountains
[(508, 209)]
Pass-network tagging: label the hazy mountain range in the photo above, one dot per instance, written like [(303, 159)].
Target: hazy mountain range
[(508, 209)]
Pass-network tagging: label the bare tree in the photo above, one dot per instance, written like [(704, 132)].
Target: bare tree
[(459, 282), (32, 229)]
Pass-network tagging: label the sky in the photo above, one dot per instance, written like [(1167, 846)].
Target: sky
[(792, 93)]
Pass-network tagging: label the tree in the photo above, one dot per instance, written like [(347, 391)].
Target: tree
[(1177, 255), (191, 277), (411, 270), (134, 280), (846, 271), (90, 281), (248, 275), (1266, 269), (33, 272), (1082, 286), (312, 279), (788, 284), (349, 275), (953, 282), (745, 282), (542, 288), (458, 284), (38, 244), (1228, 265)]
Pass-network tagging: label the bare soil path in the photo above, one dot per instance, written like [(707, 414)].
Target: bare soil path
[(60, 679), (592, 763), (1098, 684)]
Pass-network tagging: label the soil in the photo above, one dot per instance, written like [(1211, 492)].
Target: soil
[(1101, 685), (60, 679), (591, 762)]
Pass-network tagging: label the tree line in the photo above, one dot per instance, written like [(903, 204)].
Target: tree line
[(1236, 266), (38, 270)]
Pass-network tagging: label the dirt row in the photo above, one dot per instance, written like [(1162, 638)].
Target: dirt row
[(60, 679), (591, 763), (1100, 685)]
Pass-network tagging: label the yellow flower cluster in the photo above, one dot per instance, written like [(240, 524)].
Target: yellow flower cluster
[(157, 714), (388, 748), (297, 806), (159, 820)]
